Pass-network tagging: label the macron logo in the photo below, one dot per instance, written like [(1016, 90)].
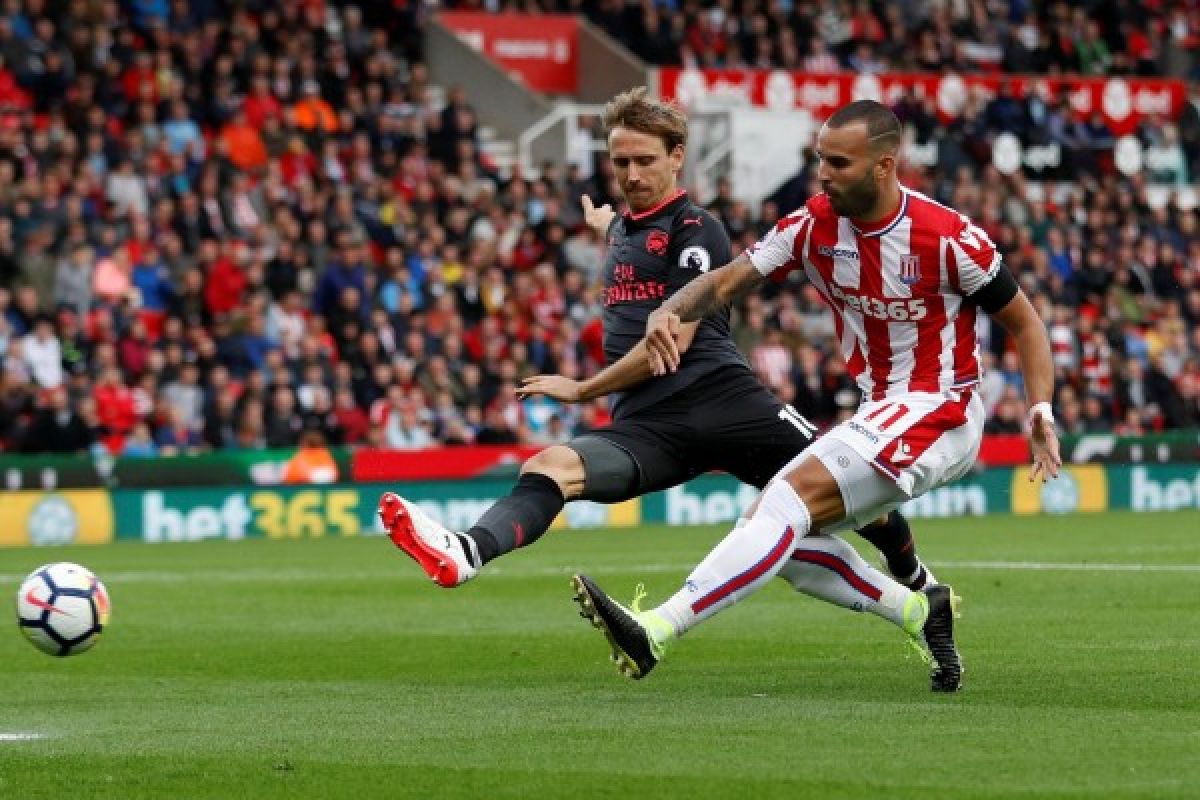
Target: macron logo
[(903, 452), (838, 252)]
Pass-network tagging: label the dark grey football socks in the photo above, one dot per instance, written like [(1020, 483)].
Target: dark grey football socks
[(894, 539), (519, 519)]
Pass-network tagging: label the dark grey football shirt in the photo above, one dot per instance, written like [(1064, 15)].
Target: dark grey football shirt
[(651, 255)]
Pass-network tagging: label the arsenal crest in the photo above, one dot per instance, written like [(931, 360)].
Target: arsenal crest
[(657, 243), (910, 270)]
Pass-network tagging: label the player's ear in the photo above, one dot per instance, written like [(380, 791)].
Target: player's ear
[(885, 164), (676, 156)]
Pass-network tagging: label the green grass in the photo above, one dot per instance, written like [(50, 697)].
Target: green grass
[(327, 669)]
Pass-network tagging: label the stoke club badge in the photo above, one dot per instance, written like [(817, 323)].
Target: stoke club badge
[(656, 243), (910, 270)]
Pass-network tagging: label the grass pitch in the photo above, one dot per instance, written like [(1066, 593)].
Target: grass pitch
[(333, 668)]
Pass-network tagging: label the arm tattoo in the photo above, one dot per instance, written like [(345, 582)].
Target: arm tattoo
[(696, 300), (715, 289)]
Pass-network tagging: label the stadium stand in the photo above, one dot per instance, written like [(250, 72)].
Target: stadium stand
[(224, 225)]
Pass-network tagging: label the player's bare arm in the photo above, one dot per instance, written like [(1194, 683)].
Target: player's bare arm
[(1020, 319), (696, 300), (625, 373)]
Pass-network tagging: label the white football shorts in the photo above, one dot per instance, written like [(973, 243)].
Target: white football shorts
[(898, 448)]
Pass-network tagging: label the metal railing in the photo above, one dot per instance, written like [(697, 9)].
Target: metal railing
[(534, 147)]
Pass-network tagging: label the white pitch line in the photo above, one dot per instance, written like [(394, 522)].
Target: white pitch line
[(402, 572), (1043, 566), (21, 737)]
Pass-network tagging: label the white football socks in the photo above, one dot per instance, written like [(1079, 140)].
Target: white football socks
[(749, 556), (829, 569)]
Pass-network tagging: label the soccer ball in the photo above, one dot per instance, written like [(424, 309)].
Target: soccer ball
[(62, 608)]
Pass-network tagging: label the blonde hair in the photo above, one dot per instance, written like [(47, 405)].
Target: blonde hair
[(638, 112)]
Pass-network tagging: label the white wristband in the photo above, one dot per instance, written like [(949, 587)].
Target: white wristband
[(1043, 408)]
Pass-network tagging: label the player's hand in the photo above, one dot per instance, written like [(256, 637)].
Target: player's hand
[(662, 341), (559, 387), (598, 219), (1043, 442)]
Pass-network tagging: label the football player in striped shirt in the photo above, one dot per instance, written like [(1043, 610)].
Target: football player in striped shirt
[(906, 278)]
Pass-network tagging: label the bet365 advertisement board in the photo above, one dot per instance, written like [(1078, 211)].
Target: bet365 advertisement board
[(96, 516)]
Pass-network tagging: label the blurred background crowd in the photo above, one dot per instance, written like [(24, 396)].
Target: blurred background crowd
[(1093, 37), (229, 225)]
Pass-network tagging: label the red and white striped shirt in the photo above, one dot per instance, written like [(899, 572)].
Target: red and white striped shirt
[(897, 290)]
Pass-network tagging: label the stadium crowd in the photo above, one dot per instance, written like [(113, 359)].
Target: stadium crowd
[(228, 225), (1095, 37)]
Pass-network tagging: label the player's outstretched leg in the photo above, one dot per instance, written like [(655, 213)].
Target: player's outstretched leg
[(516, 520), (744, 561), (636, 645), (448, 558), (938, 632), (828, 568)]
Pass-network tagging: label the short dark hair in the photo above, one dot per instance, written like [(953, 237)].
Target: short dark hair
[(637, 111), (883, 126)]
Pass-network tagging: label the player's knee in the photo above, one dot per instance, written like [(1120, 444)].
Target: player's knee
[(780, 504), (812, 482), (815, 485), (610, 473), (560, 464)]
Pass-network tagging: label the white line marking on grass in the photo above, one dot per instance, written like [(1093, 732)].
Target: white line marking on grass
[(21, 737), (1028, 566), (403, 573), (1043, 566)]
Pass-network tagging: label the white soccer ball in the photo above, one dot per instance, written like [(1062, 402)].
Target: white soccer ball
[(62, 608)]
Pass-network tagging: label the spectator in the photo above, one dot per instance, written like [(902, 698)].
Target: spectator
[(226, 280), (347, 272), (404, 430), (283, 424), (771, 359), (126, 190), (312, 113), (112, 280), (134, 349), (221, 421), (140, 443), (182, 134), (73, 280), (57, 428), (115, 412), (312, 463), (351, 417), (43, 355), (175, 437), (1166, 161), (1008, 415), (185, 397), (244, 143)]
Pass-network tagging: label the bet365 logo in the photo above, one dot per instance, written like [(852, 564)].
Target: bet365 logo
[(166, 517), (910, 310)]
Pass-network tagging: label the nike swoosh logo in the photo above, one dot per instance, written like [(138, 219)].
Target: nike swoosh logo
[(38, 602)]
